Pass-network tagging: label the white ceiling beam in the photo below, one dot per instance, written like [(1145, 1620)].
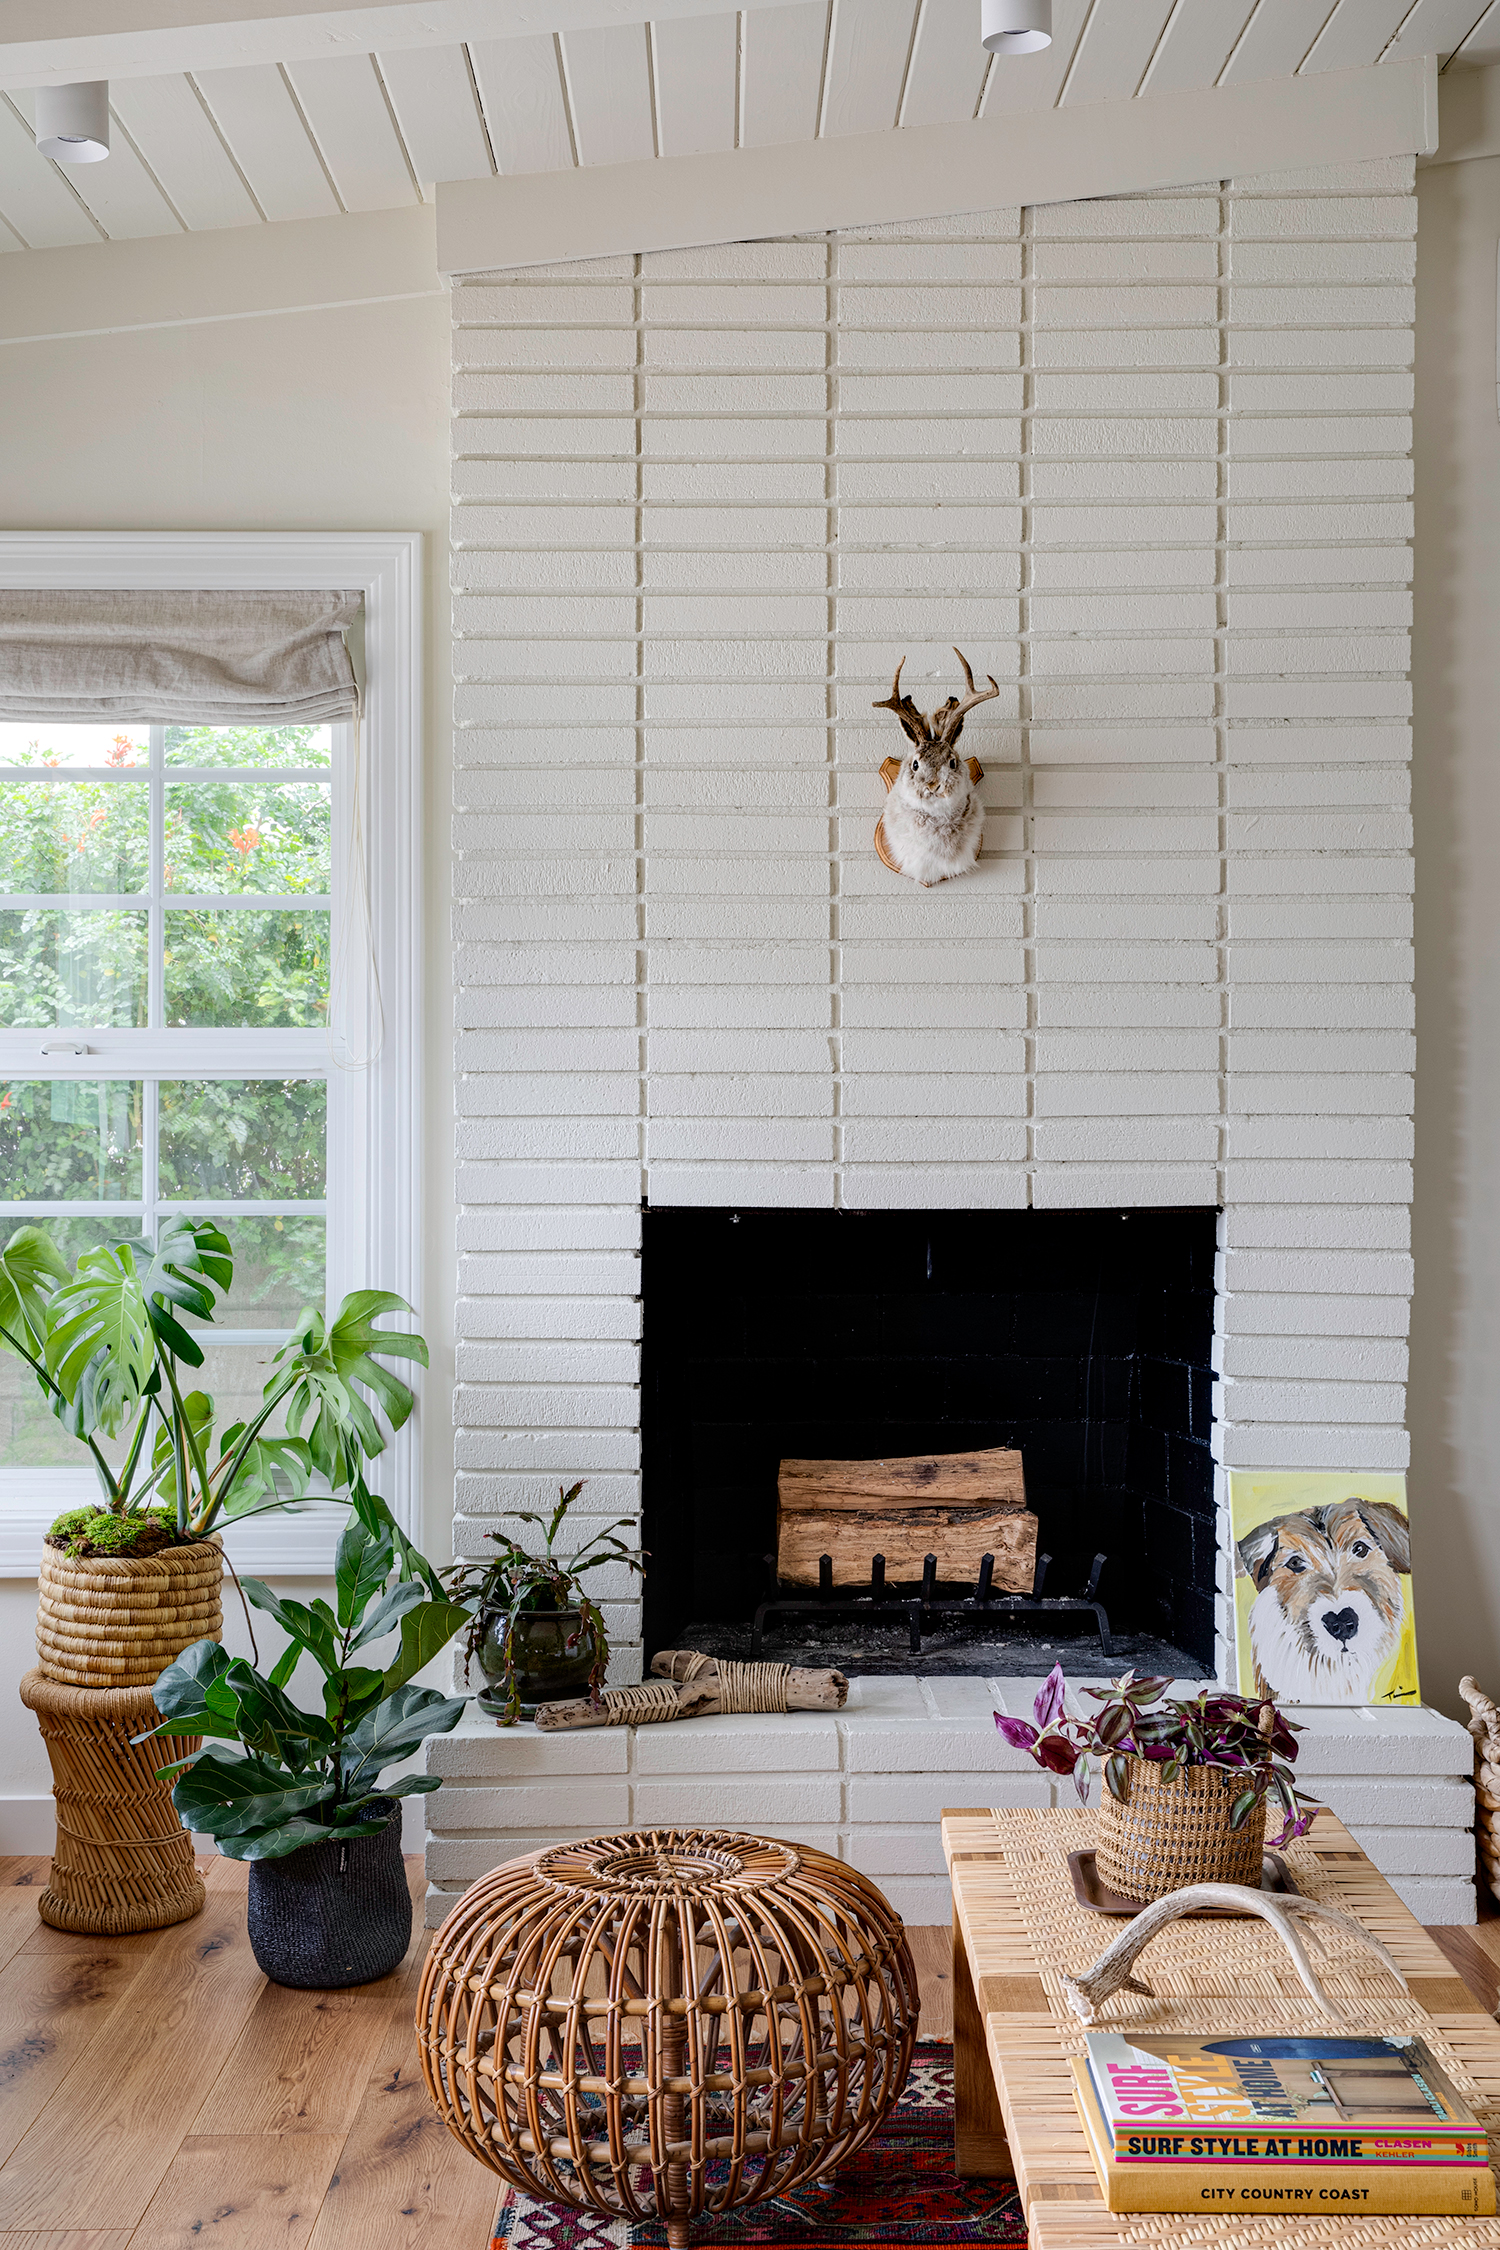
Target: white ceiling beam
[(54, 42), (928, 172), (230, 273), (1470, 101)]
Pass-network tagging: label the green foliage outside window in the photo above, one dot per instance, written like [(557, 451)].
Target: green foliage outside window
[(78, 838)]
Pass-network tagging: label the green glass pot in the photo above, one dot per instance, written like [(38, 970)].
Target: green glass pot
[(554, 1650)]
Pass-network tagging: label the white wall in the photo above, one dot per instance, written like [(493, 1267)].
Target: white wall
[(1454, 1406), (227, 413), (1148, 461)]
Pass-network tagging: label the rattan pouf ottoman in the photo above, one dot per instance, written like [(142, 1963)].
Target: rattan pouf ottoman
[(667, 2025)]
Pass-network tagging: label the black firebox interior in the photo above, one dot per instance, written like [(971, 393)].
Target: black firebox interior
[(1082, 1337)]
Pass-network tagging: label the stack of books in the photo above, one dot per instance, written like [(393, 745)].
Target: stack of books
[(1317, 2124)]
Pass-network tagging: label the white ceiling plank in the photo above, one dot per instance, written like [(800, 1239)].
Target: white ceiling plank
[(867, 53), (609, 81), (1482, 47), (1356, 33), (173, 132), (867, 179), (1435, 27), (34, 200), (123, 196), (1276, 38), (520, 86), (696, 68), (1197, 44), (783, 73), (1117, 45), (347, 111), (1024, 82), (151, 38), (435, 108), (120, 192), (947, 66), (258, 118)]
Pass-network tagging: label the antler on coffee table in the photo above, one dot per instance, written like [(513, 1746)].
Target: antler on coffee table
[(1088, 1991)]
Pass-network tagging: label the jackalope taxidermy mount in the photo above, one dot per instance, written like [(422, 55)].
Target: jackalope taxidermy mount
[(933, 820)]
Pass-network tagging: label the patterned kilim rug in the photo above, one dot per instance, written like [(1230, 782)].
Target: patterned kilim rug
[(900, 2189)]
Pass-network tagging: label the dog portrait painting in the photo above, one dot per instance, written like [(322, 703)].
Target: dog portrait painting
[(1323, 1586)]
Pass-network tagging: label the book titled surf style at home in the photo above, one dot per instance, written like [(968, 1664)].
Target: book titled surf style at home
[(1313, 2123)]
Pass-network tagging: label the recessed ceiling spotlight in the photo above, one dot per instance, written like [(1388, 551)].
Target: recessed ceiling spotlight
[(72, 122), (1015, 27)]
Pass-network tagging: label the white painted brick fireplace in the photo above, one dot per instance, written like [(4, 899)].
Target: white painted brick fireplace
[(1148, 462)]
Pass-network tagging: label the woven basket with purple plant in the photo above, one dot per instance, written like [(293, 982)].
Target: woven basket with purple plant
[(1187, 1780)]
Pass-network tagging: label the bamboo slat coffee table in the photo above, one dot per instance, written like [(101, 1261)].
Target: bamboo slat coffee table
[(1017, 1928)]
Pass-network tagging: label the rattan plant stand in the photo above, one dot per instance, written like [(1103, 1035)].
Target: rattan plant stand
[(667, 2025), (123, 1859)]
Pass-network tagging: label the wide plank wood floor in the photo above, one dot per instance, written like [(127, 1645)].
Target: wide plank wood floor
[(156, 2093)]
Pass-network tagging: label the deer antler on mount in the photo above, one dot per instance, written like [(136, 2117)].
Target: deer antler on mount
[(912, 721), (947, 722)]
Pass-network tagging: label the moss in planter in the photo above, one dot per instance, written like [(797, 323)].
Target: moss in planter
[(94, 1531)]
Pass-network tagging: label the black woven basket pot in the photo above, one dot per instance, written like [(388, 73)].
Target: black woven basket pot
[(333, 1914)]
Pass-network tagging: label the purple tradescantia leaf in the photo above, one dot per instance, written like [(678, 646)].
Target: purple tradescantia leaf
[(1049, 1703), (1019, 1733), (1056, 1753)]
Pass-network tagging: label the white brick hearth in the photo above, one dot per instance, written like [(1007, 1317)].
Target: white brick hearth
[(1148, 462), (869, 1784)]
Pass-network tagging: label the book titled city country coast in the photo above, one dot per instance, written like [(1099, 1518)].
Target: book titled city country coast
[(1296, 2123)]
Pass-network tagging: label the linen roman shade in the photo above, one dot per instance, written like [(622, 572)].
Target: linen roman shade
[(220, 657)]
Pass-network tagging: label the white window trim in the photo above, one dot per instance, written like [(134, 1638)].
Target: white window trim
[(387, 566)]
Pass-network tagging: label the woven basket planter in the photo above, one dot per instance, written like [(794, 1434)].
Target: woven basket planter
[(1169, 1833), (113, 1621)]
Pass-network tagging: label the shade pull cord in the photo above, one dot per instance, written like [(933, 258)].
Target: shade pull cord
[(355, 934)]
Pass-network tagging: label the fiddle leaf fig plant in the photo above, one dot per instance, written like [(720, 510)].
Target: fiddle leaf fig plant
[(272, 1776), (107, 1347)]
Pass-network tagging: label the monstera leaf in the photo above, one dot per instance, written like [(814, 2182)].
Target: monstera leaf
[(98, 1325), (30, 1269), (328, 1362), (193, 1259)]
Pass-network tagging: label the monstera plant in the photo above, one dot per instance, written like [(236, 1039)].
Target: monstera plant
[(107, 1346)]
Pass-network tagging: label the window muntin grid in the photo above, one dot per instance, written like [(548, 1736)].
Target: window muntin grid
[(206, 1095)]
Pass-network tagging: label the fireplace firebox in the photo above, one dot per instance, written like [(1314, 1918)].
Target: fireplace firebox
[(1081, 1338)]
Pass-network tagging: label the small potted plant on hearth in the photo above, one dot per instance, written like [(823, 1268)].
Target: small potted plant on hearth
[(300, 1795), (1186, 1782), (536, 1634)]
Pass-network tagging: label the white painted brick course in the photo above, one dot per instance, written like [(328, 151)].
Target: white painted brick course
[(1148, 461)]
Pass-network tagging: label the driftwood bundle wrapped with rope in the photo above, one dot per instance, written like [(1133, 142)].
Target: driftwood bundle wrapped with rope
[(692, 1686)]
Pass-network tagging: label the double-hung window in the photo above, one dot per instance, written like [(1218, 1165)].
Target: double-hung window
[(207, 995)]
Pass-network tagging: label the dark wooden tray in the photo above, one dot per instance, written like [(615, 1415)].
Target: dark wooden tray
[(1275, 1875)]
